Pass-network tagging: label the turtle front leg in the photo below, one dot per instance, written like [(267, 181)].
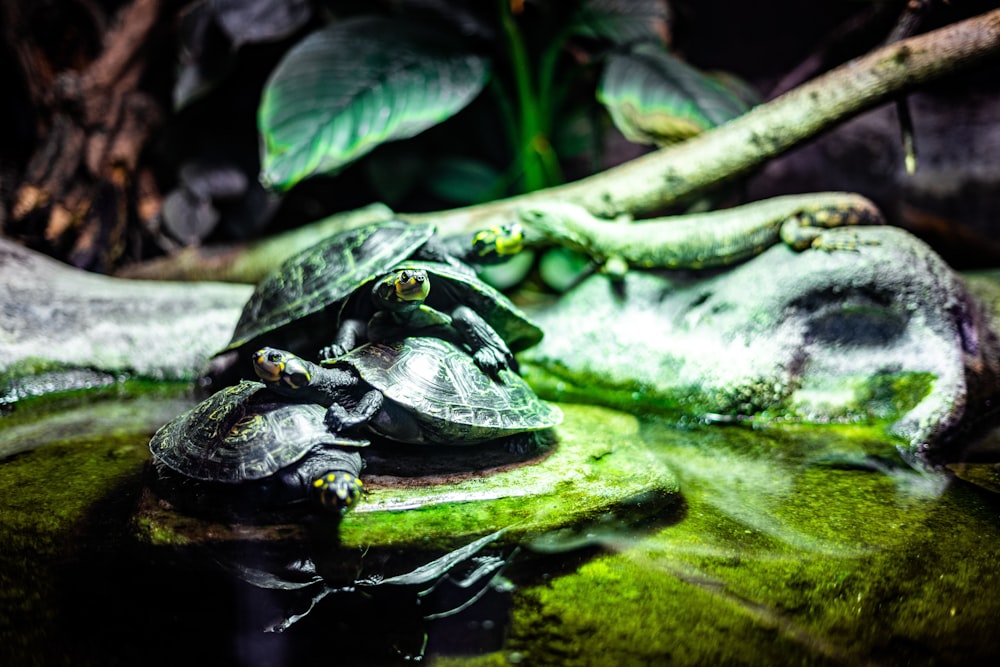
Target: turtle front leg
[(489, 350), (339, 418), (351, 334)]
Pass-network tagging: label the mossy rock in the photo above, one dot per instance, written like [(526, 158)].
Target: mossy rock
[(596, 468), (885, 333)]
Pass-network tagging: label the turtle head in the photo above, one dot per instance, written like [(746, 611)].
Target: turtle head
[(284, 369), (497, 243), (403, 287)]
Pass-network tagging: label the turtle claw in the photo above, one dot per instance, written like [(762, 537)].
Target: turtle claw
[(332, 351), (337, 491), (336, 418), (488, 361), (491, 361)]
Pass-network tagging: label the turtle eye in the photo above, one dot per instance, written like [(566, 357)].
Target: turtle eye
[(483, 241), (404, 276)]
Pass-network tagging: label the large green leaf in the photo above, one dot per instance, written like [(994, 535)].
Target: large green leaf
[(347, 88), (655, 98)]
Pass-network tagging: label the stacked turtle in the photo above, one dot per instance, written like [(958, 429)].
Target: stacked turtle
[(384, 280), (409, 346)]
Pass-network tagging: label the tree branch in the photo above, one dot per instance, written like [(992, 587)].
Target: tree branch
[(77, 182), (676, 173)]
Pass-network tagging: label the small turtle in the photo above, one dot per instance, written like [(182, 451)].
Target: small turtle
[(436, 299), (418, 390), (250, 449), (299, 303)]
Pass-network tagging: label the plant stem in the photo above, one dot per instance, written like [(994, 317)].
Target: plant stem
[(534, 178)]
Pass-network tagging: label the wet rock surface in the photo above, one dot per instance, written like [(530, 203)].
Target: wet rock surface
[(427, 497), (784, 543)]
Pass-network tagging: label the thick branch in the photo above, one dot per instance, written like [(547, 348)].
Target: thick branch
[(77, 182)]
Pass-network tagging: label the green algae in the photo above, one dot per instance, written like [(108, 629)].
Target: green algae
[(63, 452), (48, 494), (881, 398), (786, 555), (596, 469), (62, 455)]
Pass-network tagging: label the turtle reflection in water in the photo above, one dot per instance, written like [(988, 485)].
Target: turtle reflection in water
[(401, 591), (322, 299), (292, 445)]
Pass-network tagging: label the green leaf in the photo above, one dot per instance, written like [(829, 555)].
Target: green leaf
[(655, 98), (360, 82)]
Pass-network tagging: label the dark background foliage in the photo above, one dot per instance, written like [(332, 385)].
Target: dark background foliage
[(129, 128)]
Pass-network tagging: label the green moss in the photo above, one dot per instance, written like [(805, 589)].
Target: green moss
[(48, 490), (48, 495), (787, 554), (155, 532), (72, 452), (632, 397), (880, 399)]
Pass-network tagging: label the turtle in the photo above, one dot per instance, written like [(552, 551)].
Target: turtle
[(436, 299), (298, 305), (249, 449), (416, 390)]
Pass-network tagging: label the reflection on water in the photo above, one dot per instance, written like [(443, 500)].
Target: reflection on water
[(792, 545)]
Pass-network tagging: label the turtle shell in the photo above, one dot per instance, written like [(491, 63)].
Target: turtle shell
[(241, 433), (326, 273), (451, 286), (452, 399)]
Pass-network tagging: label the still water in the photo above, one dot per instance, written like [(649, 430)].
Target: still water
[(784, 545)]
